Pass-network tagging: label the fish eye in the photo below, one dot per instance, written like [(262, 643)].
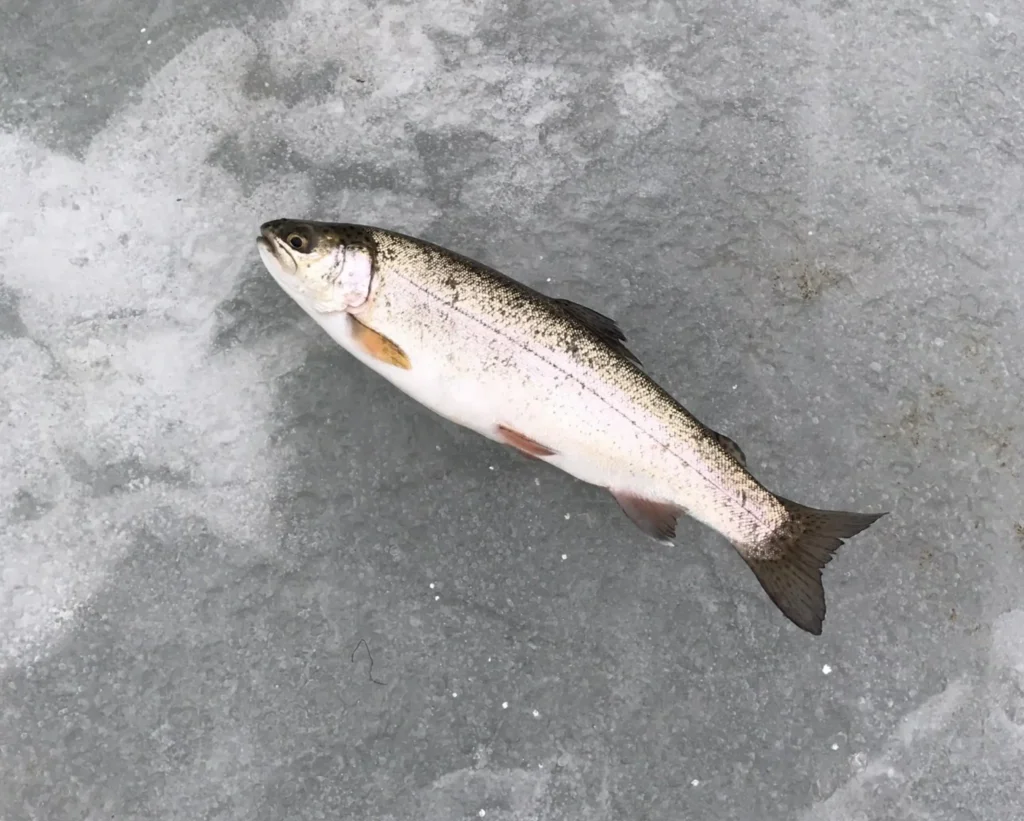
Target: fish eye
[(297, 241)]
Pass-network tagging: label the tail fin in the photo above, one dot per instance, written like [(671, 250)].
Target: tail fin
[(789, 565)]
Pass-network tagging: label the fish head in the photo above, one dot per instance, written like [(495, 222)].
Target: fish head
[(326, 265)]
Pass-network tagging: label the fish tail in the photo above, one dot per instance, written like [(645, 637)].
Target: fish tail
[(789, 563)]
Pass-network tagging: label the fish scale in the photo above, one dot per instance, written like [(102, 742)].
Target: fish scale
[(554, 380)]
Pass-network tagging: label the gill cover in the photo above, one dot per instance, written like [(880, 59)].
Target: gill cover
[(331, 263)]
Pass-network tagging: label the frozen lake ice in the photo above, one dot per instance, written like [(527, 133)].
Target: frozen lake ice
[(241, 577)]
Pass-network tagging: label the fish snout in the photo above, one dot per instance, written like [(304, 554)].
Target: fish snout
[(275, 256), (271, 229)]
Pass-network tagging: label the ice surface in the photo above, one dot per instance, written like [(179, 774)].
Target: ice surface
[(242, 578)]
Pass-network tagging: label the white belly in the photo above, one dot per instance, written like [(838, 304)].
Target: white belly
[(587, 440), (430, 381)]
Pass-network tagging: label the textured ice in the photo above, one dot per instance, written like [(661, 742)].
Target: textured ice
[(242, 578)]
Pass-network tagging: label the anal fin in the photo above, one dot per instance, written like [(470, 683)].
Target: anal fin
[(656, 519), (524, 444)]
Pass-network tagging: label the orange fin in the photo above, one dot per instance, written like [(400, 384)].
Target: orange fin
[(656, 519), (378, 346), (524, 444)]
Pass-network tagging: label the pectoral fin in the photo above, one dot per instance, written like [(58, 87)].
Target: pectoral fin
[(377, 345)]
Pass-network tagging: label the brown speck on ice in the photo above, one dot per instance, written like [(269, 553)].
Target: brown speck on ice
[(807, 280)]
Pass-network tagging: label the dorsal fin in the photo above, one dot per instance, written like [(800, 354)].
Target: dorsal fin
[(605, 327)]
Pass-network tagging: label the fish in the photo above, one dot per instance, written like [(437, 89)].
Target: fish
[(554, 380)]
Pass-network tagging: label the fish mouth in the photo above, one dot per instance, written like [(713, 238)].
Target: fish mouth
[(275, 255)]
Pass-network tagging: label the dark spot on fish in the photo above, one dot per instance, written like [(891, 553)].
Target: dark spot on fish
[(451, 282)]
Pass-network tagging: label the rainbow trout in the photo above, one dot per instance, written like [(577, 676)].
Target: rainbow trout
[(554, 380)]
